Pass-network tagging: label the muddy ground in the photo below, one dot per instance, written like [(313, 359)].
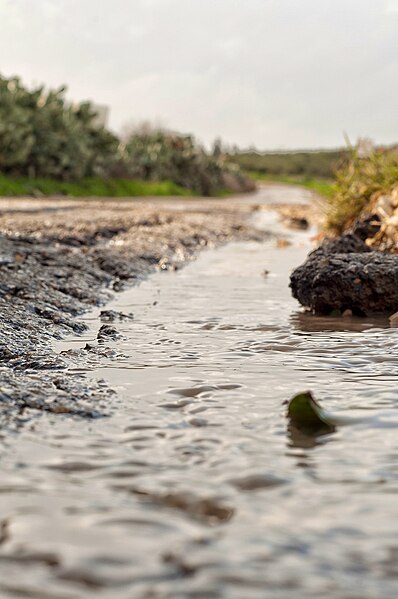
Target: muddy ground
[(59, 258)]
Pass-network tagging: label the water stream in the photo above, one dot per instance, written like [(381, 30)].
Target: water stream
[(193, 486)]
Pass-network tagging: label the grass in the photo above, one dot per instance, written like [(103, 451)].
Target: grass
[(90, 187), (357, 183), (323, 187)]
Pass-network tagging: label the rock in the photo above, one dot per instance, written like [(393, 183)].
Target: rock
[(346, 244), (345, 275), (106, 332), (299, 223), (366, 227), (112, 315)]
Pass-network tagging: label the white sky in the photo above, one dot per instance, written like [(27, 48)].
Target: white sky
[(274, 73)]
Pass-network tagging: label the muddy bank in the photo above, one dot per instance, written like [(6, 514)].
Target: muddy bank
[(59, 258)]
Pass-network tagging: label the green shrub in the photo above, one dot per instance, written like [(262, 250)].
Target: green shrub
[(157, 155), (41, 135)]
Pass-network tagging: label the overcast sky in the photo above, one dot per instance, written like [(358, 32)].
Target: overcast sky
[(274, 73)]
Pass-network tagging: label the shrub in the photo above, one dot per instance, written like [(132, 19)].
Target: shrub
[(157, 155), (41, 135)]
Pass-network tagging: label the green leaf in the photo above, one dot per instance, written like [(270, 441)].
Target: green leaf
[(305, 414)]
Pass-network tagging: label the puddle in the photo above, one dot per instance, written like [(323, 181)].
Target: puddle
[(194, 486)]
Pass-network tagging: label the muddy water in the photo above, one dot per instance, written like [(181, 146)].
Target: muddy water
[(193, 486)]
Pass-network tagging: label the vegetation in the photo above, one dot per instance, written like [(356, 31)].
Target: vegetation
[(49, 144), (156, 155), (324, 187), (356, 182), (43, 136), (307, 165), (88, 187)]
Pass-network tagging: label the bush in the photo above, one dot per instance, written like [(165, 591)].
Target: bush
[(157, 155), (41, 135), (44, 137)]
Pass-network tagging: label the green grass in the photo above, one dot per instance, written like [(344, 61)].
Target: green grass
[(323, 187), (92, 187)]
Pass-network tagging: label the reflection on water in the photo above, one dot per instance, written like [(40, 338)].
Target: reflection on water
[(305, 321), (194, 486)]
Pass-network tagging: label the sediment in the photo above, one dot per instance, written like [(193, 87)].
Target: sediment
[(60, 258)]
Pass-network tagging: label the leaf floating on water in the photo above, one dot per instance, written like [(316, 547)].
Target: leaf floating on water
[(305, 414)]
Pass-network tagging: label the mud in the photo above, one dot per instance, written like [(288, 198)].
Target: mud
[(59, 258)]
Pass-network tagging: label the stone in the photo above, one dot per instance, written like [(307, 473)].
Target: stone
[(112, 315), (107, 331), (346, 275), (299, 223)]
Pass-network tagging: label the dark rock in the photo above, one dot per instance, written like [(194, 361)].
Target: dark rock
[(345, 275), (367, 227), (301, 224), (346, 244), (106, 332), (112, 315)]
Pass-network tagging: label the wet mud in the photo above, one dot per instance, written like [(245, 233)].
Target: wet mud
[(60, 258)]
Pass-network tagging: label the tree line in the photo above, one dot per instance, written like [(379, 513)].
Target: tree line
[(43, 135)]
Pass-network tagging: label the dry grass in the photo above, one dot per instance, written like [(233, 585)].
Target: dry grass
[(356, 183)]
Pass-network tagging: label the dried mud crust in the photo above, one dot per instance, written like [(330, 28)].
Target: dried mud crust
[(60, 258)]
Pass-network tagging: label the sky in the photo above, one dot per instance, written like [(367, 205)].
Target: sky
[(275, 74)]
